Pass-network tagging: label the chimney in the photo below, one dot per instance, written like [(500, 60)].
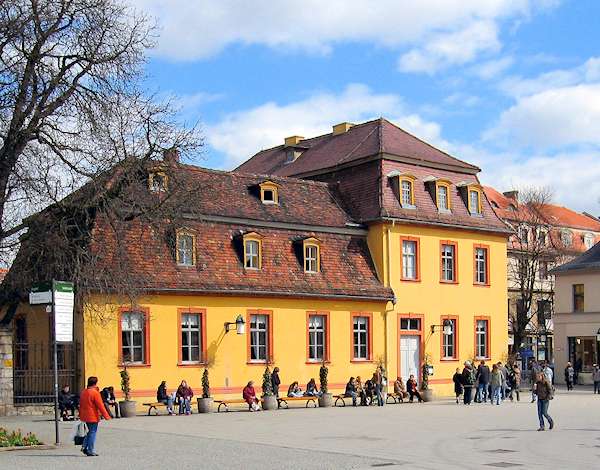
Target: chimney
[(514, 195), (171, 155), (293, 140), (342, 127)]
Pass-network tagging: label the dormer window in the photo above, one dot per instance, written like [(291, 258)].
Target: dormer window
[(403, 186), (157, 182), (311, 249), (442, 192), (186, 248), (588, 240), (252, 251), (566, 237), (475, 201), (269, 192)]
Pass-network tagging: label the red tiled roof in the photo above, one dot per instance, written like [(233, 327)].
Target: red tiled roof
[(360, 141), (3, 272), (237, 195), (346, 267)]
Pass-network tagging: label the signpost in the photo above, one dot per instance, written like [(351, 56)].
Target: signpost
[(60, 296)]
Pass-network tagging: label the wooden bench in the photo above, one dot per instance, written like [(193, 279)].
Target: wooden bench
[(154, 406), (341, 398), (225, 403), (396, 397), (309, 400)]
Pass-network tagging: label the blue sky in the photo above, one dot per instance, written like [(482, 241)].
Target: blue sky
[(510, 85)]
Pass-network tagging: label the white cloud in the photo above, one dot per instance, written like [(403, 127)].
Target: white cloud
[(241, 134), (436, 30), (454, 48), (492, 68), (462, 100)]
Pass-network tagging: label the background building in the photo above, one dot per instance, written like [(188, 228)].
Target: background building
[(577, 315), (544, 235)]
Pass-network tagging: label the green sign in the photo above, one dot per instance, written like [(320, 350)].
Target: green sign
[(63, 286)]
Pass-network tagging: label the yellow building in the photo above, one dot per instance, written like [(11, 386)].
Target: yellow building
[(376, 242)]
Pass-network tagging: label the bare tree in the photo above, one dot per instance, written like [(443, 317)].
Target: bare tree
[(75, 120), (534, 248)]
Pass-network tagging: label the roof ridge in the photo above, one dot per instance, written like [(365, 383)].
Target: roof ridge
[(356, 147)]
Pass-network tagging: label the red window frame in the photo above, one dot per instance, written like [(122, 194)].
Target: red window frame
[(202, 313), (488, 319), (417, 240), (369, 317), (455, 245), (453, 318), (270, 353), (146, 312), (326, 355), (487, 265)]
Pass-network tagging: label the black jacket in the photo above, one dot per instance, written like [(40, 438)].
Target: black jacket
[(107, 395), (350, 388), (161, 393), (457, 379), (483, 374), (275, 381)]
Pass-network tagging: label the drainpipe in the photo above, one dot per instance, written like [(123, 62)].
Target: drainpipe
[(385, 313)]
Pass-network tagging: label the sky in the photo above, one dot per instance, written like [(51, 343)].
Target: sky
[(512, 86)]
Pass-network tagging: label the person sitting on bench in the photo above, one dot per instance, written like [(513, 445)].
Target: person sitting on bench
[(162, 396), (400, 389), (369, 391), (184, 397), (360, 391), (311, 389), (67, 401), (295, 391), (413, 391), (108, 398), (351, 390), (249, 395)]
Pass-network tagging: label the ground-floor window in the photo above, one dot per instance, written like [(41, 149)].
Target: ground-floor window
[(361, 326), (133, 337), (583, 352), (191, 325), (317, 337)]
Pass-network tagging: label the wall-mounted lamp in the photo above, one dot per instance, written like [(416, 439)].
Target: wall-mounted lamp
[(446, 325), (240, 325), (598, 335)]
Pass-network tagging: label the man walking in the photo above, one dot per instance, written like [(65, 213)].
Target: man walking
[(483, 375), (275, 381), (91, 408), (596, 378)]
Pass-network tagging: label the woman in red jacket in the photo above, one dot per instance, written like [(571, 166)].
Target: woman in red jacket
[(249, 396), (91, 408)]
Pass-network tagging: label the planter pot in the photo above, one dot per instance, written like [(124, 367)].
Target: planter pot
[(127, 408), (205, 405), (326, 400), (427, 394), (269, 403)]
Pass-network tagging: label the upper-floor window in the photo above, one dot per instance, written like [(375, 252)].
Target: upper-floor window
[(543, 270), (578, 298), (157, 181), (566, 238), (311, 248), (542, 237), (448, 262), (588, 240), (186, 248), (523, 234), (269, 192), (481, 265), (410, 259), (475, 201), (443, 196), (252, 251), (407, 197)]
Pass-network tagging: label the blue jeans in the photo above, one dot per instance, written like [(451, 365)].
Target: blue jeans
[(185, 405), (89, 441), (353, 395), (482, 392), (379, 393), (542, 406), (495, 394), (169, 403)]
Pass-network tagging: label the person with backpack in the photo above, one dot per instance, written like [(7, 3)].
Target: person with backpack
[(468, 380)]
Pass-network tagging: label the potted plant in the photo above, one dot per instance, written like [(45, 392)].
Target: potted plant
[(326, 399), (126, 406), (269, 400), (205, 402), (426, 392)]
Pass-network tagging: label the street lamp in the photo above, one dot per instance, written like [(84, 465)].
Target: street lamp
[(240, 325), (598, 335), (446, 326)]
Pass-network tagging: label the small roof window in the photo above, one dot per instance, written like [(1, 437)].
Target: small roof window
[(269, 192)]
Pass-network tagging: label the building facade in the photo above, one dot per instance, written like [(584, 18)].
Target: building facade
[(552, 235), (354, 249), (577, 315)]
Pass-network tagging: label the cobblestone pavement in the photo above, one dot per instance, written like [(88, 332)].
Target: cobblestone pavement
[(429, 436)]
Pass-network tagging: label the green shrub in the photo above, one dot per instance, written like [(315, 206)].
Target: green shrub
[(17, 439)]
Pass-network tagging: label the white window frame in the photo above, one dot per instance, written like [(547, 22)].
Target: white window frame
[(409, 260), (311, 258), (128, 330), (259, 337), (448, 263), (481, 261), (185, 254), (406, 193), (446, 194), (481, 339), (252, 254), (317, 328), (475, 206), (360, 330), (449, 342), (188, 328)]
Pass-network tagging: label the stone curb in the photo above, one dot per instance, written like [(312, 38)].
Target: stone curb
[(38, 447)]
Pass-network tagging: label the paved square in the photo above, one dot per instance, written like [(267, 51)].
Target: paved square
[(430, 436)]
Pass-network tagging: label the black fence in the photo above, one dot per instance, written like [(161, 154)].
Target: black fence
[(33, 373)]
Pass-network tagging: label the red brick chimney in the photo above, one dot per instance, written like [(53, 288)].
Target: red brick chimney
[(171, 155)]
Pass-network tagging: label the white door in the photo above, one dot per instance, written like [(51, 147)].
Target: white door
[(409, 356)]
